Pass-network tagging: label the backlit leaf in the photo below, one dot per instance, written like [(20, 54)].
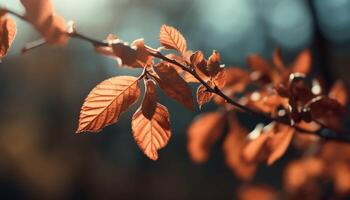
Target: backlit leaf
[(151, 134), (107, 101), (203, 132), (174, 86), (339, 92), (7, 34), (257, 63), (214, 63), (203, 96), (302, 63), (171, 38), (149, 102)]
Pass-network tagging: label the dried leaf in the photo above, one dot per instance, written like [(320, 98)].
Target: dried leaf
[(171, 38), (41, 14), (279, 143), (125, 53), (302, 63), (203, 132), (203, 96), (151, 134), (142, 55), (174, 86), (339, 92), (107, 101), (257, 63), (7, 34), (214, 63), (149, 102), (220, 78)]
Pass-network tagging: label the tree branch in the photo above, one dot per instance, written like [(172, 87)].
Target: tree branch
[(323, 132)]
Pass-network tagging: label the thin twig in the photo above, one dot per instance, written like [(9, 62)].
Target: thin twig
[(323, 132)]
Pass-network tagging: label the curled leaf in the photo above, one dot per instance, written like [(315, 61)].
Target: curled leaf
[(174, 86), (107, 101), (203, 96), (7, 34), (149, 102), (171, 38), (151, 134), (214, 63)]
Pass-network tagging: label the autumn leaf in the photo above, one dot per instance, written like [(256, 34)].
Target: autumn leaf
[(126, 54), (149, 102), (339, 92), (302, 63), (142, 55), (40, 13), (203, 132), (7, 34), (233, 145), (107, 101), (257, 63), (151, 134), (171, 38), (277, 59), (203, 96), (174, 86), (214, 63), (254, 149)]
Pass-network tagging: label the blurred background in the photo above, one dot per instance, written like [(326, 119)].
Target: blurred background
[(42, 91)]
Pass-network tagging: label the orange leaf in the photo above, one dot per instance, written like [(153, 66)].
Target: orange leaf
[(254, 148), (151, 134), (339, 92), (142, 55), (7, 34), (232, 148), (149, 102), (171, 38), (277, 59), (220, 78), (204, 131), (257, 63), (302, 63), (107, 101), (41, 14), (279, 143), (214, 63), (125, 53), (174, 86), (203, 96)]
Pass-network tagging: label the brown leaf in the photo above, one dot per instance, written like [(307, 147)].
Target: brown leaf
[(232, 148), (302, 63), (253, 150), (339, 92), (279, 143), (220, 78), (142, 55), (107, 101), (149, 102), (41, 14), (151, 134), (171, 38), (277, 59), (7, 34), (174, 86), (125, 53), (203, 132), (214, 63), (203, 96), (257, 63)]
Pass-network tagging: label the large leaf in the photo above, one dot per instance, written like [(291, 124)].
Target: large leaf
[(174, 86), (204, 131), (7, 34), (151, 134), (171, 38), (107, 101)]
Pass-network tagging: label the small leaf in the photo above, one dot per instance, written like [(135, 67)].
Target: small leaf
[(214, 63), (339, 92), (174, 86), (302, 63), (203, 96), (277, 59), (7, 34), (203, 132), (220, 78), (107, 101), (257, 63), (142, 55), (151, 134), (149, 102), (125, 53), (171, 38)]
